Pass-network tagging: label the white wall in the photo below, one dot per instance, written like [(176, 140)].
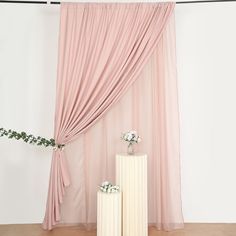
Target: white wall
[(28, 57), (206, 53)]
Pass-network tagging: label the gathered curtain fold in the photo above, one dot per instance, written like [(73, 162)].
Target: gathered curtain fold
[(102, 50)]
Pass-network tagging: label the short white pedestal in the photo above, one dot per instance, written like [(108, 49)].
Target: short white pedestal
[(131, 176), (108, 214)]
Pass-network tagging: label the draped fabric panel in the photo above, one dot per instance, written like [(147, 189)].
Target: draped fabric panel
[(150, 106), (102, 50)]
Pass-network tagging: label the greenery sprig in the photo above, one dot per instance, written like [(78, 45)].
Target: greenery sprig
[(29, 138)]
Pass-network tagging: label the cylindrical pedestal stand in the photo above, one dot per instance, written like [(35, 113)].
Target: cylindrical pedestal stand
[(131, 176), (108, 214)]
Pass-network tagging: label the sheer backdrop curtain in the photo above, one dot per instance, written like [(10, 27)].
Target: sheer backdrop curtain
[(150, 106), (102, 50)]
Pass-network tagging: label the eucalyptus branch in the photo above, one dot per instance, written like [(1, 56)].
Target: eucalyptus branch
[(29, 138)]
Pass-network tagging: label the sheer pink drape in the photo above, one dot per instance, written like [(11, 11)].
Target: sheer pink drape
[(150, 106), (103, 48)]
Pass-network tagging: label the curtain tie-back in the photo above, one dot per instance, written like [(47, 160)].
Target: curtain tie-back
[(59, 147)]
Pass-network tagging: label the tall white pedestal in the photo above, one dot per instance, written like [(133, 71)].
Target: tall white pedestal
[(108, 214), (131, 176)]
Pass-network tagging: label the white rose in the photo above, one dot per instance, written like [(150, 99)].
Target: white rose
[(133, 132), (105, 183)]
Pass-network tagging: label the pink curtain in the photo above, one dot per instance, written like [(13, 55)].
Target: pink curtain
[(150, 106), (103, 48)]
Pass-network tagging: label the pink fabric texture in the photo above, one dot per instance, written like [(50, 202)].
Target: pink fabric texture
[(150, 106), (102, 50)]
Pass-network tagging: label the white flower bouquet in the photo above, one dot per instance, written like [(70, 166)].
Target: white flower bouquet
[(107, 187), (131, 137)]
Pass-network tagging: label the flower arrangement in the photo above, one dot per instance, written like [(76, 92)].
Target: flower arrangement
[(107, 187), (29, 138), (132, 138)]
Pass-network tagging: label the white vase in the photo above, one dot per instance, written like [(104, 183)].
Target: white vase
[(130, 149)]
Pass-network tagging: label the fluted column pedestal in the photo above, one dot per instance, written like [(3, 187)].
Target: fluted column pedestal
[(108, 214), (131, 176)]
